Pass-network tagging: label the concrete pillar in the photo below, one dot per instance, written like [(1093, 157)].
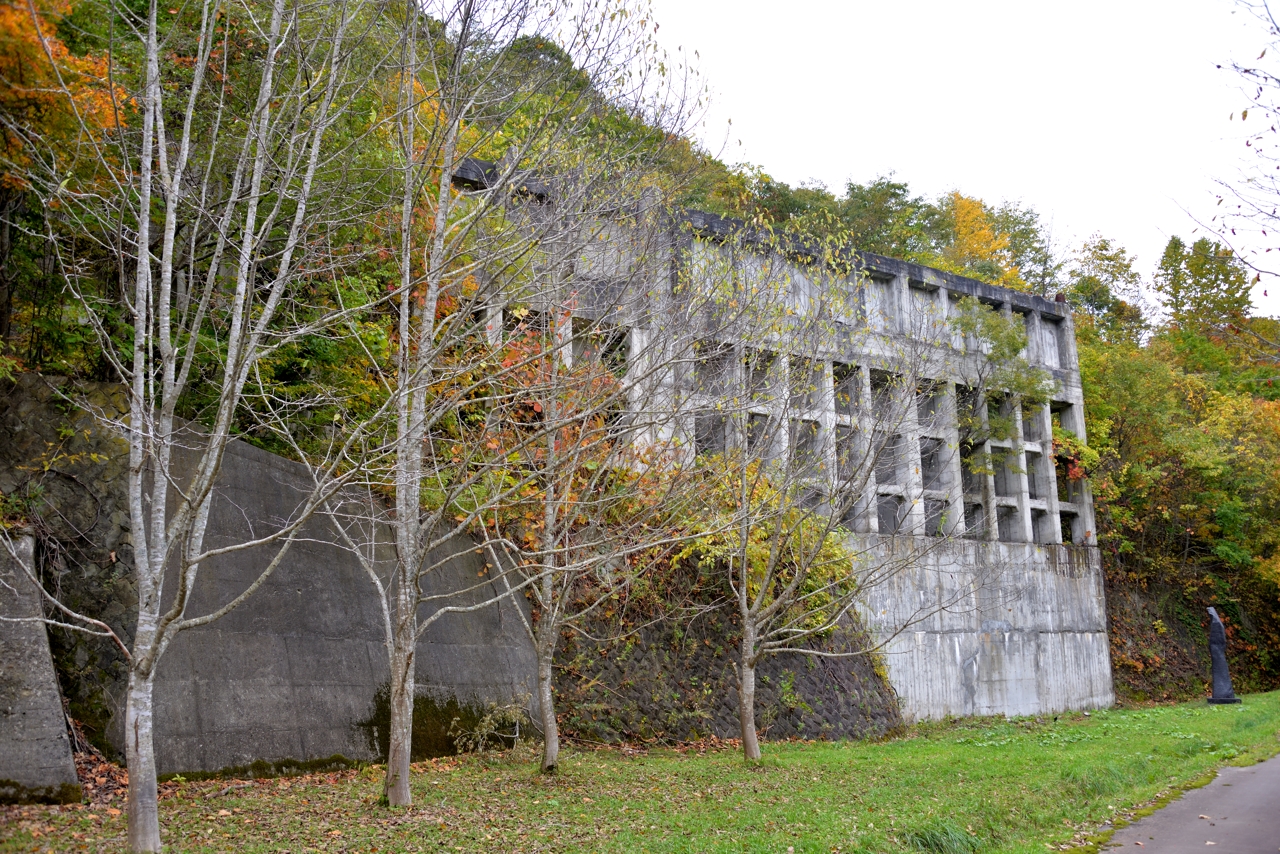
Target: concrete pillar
[(1018, 462), (826, 412), (1050, 478), (866, 423), (913, 485), (955, 467)]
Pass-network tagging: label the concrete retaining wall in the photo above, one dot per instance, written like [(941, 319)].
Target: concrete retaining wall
[(35, 752), (670, 682), (987, 628), (294, 671), (292, 674)]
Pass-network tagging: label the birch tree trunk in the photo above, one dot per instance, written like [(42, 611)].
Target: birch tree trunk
[(747, 698), (546, 702), (140, 756), (140, 759), (401, 725)]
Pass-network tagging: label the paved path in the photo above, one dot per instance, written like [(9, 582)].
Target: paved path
[(1238, 813)]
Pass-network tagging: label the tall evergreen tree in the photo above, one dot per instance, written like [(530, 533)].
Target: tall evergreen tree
[(1203, 287)]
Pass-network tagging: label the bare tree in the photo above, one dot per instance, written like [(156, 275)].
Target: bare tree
[(1247, 217), (1248, 204), (221, 200), (515, 124), (588, 429)]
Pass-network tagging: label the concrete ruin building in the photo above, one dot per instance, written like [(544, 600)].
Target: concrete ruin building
[(999, 605)]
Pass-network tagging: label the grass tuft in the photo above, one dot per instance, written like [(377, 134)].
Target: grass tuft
[(1095, 780), (944, 836)]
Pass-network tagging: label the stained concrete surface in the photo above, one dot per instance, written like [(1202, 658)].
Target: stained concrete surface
[(991, 628), (1238, 813), (35, 753), (293, 672)]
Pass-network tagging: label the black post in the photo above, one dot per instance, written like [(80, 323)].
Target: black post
[(1222, 693)]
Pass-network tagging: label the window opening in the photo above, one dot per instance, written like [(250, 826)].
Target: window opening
[(608, 345), (806, 384), (712, 367), (1040, 527), (845, 379), (929, 404), (882, 388), (1031, 416), (887, 461), (935, 517), (710, 433), (1068, 490), (933, 463), (975, 520), (889, 513), (1028, 328), (520, 320), (759, 366), (615, 352), (969, 460), (846, 452), (1070, 528), (999, 416), (811, 499), (968, 415), (806, 449), (759, 433), (1007, 477), (1007, 524), (1033, 475)]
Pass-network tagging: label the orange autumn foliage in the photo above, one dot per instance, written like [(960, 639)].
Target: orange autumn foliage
[(47, 95), (977, 246)]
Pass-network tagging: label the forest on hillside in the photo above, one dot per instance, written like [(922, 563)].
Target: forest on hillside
[(1183, 404)]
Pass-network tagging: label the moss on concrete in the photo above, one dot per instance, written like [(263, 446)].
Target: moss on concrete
[(437, 723), (12, 792), (272, 768)]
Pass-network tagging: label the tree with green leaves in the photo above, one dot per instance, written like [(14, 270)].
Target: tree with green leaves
[(1204, 287), (1104, 289), (885, 218)]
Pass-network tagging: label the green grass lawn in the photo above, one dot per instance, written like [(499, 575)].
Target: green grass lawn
[(951, 788)]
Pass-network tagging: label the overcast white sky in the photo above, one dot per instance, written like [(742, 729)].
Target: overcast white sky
[(1107, 116)]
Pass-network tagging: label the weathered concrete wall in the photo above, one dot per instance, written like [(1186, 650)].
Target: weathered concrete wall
[(993, 628), (35, 752), (72, 473), (295, 672)]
